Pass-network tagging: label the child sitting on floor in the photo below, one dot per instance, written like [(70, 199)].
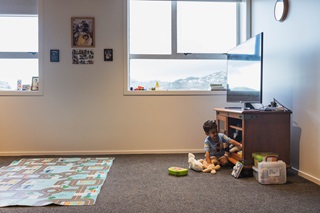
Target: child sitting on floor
[(216, 143)]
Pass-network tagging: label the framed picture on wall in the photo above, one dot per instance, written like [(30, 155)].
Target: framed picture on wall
[(54, 56), (82, 56), (108, 54), (82, 33)]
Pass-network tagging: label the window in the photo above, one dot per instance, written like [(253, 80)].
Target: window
[(180, 45), (19, 57)]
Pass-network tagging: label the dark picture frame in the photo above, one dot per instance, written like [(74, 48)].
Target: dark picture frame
[(82, 32), (54, 55), (108, 54)]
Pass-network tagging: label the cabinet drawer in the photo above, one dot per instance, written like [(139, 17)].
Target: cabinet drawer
[(230, 115)]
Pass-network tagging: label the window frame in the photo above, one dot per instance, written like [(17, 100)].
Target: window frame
[(28, 55), (241, 36)]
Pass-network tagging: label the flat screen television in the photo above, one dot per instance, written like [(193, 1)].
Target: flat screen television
[(244, 72)]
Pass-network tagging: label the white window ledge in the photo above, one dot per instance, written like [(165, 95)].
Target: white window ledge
[(173, 93), (20, 93)]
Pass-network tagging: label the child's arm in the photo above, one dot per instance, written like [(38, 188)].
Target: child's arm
[(234, 142), (208, 157)]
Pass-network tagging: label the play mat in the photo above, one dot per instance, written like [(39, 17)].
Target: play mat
[(60, 181)]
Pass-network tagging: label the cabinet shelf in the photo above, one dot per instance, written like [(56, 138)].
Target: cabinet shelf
[(236, 127)]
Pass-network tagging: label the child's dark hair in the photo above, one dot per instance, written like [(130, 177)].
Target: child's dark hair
[(209, 125)]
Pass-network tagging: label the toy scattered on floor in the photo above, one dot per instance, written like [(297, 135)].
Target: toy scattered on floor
[(237, 169), (177, 171), (194, 164), (211, 167), (203, 165)]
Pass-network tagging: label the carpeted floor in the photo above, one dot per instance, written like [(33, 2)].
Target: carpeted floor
[(140, 183)]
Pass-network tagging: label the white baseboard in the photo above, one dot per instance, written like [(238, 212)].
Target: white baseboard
[(99, 152), (308, 176)]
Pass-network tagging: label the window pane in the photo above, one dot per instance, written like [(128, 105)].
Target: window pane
[(13, 70), (177, 74), (150, 27), (206, 27), (20, 34)]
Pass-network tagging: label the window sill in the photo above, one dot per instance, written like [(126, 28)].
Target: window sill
[(20, 93), (173, 93)]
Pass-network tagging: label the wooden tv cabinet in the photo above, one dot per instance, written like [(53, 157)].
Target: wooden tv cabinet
[(262, 131)]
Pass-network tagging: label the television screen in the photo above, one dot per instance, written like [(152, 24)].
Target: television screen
[(244, 67)]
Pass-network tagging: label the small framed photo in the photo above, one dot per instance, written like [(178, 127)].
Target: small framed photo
[(35, 84), (54, 56), (108, 54), (25, 87), (82, 56), (82, 33)]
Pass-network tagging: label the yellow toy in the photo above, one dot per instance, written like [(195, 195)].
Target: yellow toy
[(212, 166), (203, 165)]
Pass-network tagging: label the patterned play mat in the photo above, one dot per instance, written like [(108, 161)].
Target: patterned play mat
[(45, 181)]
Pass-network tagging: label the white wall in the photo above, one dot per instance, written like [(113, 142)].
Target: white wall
[(83, 109), (291, 75)]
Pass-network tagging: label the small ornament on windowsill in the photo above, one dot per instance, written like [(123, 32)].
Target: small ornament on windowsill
[(26, 87), (157, 87), (19, 85), (35, 84)]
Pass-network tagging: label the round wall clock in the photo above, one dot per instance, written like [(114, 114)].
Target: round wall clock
[(281, 8)]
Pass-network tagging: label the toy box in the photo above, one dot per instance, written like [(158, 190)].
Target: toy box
[(177, 171), (236, 171), (262, 156), (270, 172)]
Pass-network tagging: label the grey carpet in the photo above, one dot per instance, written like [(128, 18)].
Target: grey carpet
[(140, 183)]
